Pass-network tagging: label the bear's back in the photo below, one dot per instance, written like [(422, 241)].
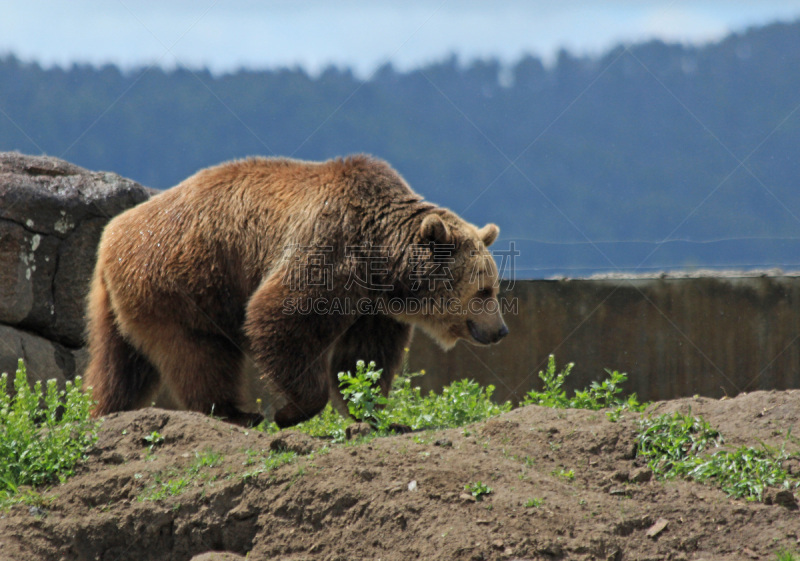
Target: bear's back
[(227, 225)]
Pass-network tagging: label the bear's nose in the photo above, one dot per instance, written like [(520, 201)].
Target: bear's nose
[(501, 333)]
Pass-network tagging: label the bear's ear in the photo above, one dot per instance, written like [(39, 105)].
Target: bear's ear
[(488, 234), (433, 229)]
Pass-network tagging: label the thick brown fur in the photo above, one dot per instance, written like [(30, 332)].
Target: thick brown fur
[(189, 282)]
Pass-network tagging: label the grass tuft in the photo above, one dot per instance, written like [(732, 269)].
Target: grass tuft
[(478, 489), (600, 395), (677, 445), (44, 433), (272, 461)]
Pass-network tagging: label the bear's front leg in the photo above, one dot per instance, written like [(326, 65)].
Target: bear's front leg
[(292, 347), (372, 338)]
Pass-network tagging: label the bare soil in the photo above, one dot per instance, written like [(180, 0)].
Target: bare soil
[(403, 497)]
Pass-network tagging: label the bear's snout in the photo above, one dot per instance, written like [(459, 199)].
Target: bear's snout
[(501, 333), (486, 337)]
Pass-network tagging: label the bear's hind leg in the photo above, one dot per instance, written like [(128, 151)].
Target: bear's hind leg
[(121, 377), (203, 372)]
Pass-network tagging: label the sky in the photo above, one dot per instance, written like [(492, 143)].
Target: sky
[(224, 35)]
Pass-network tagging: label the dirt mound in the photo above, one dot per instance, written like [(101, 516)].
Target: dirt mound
[(564, 484)]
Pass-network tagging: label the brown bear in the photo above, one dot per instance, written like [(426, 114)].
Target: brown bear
[(306, 267)]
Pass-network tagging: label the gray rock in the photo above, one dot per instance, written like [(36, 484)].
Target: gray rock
[(81, 360), (44, 359), (217, 556), (357, 430), (76, 259), (27, 269), (641, 475), (51, 196), (51, 216)]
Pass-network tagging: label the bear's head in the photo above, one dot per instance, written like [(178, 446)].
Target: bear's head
[(455, 281)]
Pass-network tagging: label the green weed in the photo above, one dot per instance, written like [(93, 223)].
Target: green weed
[(674, 446), (153, 439), (566, 474), (327, 424), (271, 462), (534, 503), (599, 395), (667, 441), (44, 434), (208, 458), (478, 489), (363, 396), (173, 482), (458, 404), (165, 484)]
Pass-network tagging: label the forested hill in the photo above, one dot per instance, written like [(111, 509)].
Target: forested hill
[(586, 165)]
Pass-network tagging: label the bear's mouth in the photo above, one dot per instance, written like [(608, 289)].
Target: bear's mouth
[(477, 334)]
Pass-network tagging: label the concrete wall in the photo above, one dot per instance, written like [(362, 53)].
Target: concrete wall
[(706, 335)]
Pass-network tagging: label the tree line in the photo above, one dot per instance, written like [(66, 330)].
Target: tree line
[(651, 155)]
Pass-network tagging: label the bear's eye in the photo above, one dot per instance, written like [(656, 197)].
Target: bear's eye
[(485, 293)]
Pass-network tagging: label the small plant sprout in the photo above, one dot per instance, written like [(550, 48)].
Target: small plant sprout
[(534, 503), (206, 459), (153, 439), (478, 489), (272, 461), (562, 473)]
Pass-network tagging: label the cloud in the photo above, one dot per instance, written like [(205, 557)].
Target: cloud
[(683, 24), (357, 33)]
